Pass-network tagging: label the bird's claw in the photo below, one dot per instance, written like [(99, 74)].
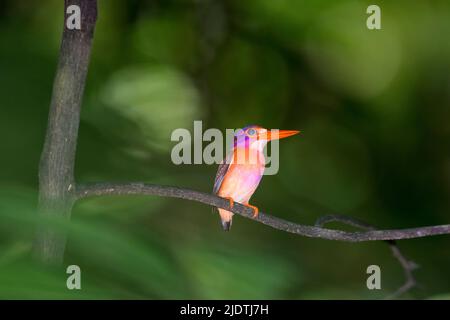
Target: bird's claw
[(255, 210), (231, 202)]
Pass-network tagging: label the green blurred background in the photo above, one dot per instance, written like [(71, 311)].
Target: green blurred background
[(374, 107)]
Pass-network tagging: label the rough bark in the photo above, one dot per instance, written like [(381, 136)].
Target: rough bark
[(99, 189), (56, 170)]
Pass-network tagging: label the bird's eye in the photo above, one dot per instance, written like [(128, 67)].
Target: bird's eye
[(251, 132)]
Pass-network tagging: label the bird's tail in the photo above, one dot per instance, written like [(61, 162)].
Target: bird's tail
[(226, 218)]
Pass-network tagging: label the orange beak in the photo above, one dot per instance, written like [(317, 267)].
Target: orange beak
[(278, 134)]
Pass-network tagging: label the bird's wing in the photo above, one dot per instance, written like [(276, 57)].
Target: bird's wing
[(221, 172)]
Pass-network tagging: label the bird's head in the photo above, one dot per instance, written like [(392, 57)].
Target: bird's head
[(257, 137)]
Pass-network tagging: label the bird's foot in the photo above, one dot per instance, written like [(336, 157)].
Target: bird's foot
[(231, 202), (255, 210)]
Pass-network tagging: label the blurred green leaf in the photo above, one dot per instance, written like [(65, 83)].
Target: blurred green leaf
[(348, 56), (443, 296), (157, 99), (233, 274)]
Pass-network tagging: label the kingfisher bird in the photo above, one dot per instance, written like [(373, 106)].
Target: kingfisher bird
[(241, 171)]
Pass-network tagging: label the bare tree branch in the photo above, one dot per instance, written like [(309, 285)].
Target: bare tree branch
[(56, 176), (408, 266), (100, 189)]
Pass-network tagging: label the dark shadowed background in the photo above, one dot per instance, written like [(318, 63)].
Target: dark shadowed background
[(374, 108)]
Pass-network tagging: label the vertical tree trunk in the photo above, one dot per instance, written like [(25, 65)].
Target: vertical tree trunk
[(56, 170)]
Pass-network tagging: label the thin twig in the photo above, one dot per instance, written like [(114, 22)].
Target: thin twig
[(407, 265), (100, 189), (408, 268)]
